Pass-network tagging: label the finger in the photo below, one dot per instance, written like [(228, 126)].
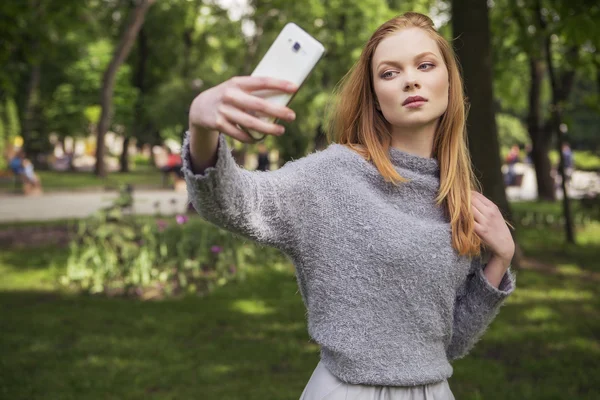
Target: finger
[(246, 101), (476, 195), (479, 230), (478, 204), (251, 83), (487, 202), (231, 130), (479, 217), (249, 122)]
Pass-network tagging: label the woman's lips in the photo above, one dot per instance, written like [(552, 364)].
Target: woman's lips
[(415, 104)]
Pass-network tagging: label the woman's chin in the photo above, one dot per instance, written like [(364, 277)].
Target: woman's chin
[(416, 122)]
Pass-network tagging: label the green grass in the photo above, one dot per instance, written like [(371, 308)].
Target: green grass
[(52, 181), (545, 207), (47, 224), (548, 244), (248, 340), (245, 341)]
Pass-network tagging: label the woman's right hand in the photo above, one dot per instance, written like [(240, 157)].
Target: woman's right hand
[(224, 107)]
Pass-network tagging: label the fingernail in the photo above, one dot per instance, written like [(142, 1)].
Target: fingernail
[(281, 129), (291, 86), (292, 115)]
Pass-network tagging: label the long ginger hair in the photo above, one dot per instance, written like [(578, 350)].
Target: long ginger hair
[(356, 124)]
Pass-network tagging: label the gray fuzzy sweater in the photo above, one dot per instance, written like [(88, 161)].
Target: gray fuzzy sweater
[(389, 301)]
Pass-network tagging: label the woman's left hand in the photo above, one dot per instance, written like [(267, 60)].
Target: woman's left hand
[(491, 227)]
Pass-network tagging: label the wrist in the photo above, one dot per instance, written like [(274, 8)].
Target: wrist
[(203, 147), (501, 261), (195, 130)]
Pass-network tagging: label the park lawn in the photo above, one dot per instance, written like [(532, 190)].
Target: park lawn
[(248, 340), (53, 181)]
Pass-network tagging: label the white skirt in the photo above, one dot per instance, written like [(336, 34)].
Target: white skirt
[(323, 385)]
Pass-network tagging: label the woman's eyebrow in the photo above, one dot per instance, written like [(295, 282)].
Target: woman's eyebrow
[(391, 62)]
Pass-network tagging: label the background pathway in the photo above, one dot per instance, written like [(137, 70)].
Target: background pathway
[(82, 204)]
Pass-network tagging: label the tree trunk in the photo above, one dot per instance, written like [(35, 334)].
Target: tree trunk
[(139, 82), (124, 159), (538, 133), (126, 43), (470, 23), (560, 94), (541, 162), (540, 139), (31, 102), (187, 51)]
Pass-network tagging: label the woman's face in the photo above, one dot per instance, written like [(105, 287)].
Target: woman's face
[(405, 65)]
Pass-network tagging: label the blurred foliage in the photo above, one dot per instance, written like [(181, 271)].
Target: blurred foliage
[(114, 253), (10, 127), (73, 109), (187, 46), (517, 38), (511, 131)]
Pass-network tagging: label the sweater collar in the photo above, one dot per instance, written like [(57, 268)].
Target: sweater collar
[(417, 164)]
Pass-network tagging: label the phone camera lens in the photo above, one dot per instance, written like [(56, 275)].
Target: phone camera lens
[(296, 46)]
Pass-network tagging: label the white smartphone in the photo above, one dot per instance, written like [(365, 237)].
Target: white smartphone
[(291, 57)]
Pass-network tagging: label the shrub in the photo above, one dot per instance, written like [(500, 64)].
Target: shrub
[(118, 254)]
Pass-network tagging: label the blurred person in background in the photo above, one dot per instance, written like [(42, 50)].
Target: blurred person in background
[(172, 166), (264, 163), (512, 158), (567, 154), (23, 169)]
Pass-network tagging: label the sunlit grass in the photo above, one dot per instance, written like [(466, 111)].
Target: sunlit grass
[(248, 340), (252, 307)]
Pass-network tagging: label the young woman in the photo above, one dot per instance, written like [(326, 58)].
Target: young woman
[(384, 226)]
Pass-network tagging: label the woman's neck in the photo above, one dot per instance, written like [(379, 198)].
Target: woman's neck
[(417, 141)]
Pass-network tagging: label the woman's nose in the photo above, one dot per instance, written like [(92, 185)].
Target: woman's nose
[(411, 84)]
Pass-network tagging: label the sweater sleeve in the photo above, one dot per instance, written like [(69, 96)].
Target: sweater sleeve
[(475, 307), (257, 205)]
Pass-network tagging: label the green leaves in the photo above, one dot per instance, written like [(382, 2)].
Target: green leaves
[(511, 131), (519, 32), (114, 253)]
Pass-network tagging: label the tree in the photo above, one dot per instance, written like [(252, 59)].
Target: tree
[(127, 41), (34, 34), (191, 47), (524, 29), (9, 128), (565, 19), (561, 87), (470, 24), (525, 40)]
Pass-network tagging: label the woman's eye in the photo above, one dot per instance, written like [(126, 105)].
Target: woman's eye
[(387, 74), (426, 65)]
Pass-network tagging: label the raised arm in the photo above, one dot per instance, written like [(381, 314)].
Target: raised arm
[(263, 206), (227, 106), (256, 205)]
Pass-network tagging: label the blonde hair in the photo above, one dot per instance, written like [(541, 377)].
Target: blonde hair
[(356, 124)]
